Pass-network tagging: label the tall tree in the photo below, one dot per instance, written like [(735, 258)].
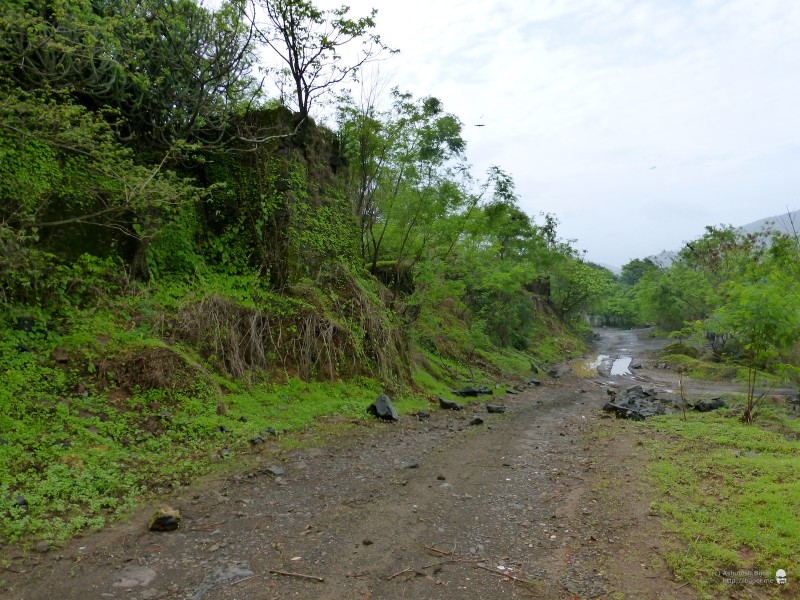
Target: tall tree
[(309, 41), (172, 69)]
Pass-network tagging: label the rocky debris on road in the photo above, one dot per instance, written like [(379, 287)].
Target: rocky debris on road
[(423, 414), (383, 408), (165, 518), (496, 408), (553, 373), (275, 471), (449, 404), (532, 382), (476, 421), (469, 391), (638, 404)]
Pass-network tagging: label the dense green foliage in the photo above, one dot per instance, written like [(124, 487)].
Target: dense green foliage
[(738, 294), (184, 262)]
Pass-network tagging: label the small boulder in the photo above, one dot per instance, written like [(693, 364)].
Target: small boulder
[(383, 408), (496, 408), (60, 355), (423, 414), (553, 373), (476, 421), (165, 518), (21, 502), (275, 471), (466, 391), (449, 404), (707, 405)]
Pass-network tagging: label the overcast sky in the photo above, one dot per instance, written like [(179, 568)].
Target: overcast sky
[(637, 122)]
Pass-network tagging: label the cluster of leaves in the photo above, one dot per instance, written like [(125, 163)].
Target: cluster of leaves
[(444, 240)]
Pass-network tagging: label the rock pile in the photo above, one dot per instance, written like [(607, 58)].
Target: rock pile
[(637, 404)]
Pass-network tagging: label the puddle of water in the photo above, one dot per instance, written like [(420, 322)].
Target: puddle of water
[(620, 366), (584, 367)]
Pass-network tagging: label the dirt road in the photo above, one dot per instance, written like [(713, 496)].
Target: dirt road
[(548, 500)]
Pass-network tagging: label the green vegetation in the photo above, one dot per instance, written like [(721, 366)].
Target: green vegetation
[(735, 295), (185, 263), (729, 490)]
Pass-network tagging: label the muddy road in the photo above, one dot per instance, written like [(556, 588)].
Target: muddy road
[(548, 500)]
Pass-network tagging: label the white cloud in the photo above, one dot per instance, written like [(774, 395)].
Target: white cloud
[(581, 98)]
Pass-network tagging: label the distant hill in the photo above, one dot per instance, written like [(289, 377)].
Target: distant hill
[(788, 223)]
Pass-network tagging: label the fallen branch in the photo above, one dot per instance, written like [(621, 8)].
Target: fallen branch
[(207, 527), (406, 570), (502, 574), (434, 549), (454, 560), (300, 575)]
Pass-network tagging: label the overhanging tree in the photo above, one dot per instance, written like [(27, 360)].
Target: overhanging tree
[(309, 41)]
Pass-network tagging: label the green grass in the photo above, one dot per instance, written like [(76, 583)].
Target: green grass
[(699, 369), (133, 414), (83, 454), (732, 492)]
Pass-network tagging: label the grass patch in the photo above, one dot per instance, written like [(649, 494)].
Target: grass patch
[(103, 405), (699, 369), (731, 492)]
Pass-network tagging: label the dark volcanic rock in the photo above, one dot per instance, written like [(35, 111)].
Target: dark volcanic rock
[(553, 373), (466, 391), (469, 391), (638, 404), (25, 324), (476, 421), (496, 408), (383, 408), (624, 412), (533, 382), (707, 405), (449, 404), (423, 414)]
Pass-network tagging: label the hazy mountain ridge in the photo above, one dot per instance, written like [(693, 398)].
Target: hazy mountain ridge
[(788, 223)]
